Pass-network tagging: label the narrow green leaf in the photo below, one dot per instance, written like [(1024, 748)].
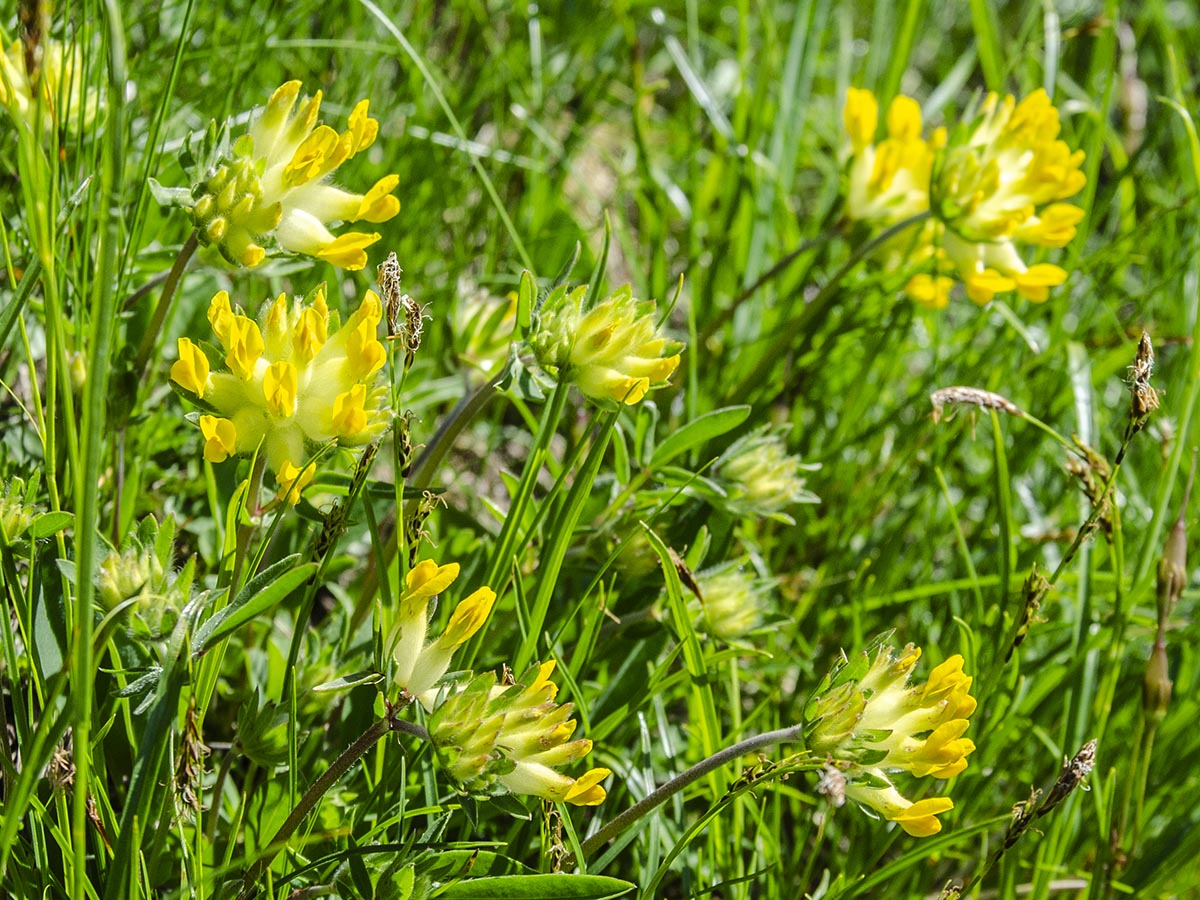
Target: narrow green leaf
[(526, 297), (347, 681), (262, 593), (537, 887), (703, 428)]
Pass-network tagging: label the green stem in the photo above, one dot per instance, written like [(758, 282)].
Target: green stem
[(103, 315), (150, 338), (419, 477), (245, 531), (562, 532), (327, 779), (661, 795), (500, 564)]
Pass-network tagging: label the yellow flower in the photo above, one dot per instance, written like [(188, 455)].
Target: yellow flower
[(613, 352), (220, 438), (289, 384), (293, 479), (887, 182), (276, 187), (56, 98), (998, 181), (418, 664), (870, 722), (1001, 181), (514, 737), (917, 819), (191, 370)]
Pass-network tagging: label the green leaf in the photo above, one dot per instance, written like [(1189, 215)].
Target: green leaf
[(526, 298), (49, 523), (262, 593), (699, 430), (170, 196), (537, 887), (348, 681)]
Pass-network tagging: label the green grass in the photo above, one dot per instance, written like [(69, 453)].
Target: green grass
[(140, 758)]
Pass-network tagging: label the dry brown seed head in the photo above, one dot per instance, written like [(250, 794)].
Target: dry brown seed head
[(971, 397)]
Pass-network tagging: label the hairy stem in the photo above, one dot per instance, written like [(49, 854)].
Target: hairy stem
[(662, 794)]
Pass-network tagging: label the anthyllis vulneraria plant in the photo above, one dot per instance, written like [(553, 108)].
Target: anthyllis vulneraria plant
[(614, 352), (869, 723), (1000, 180), (53, 96), (994, 181), (761, 478), (418, 663), (292, 382), (274, 186), (514, 737), (730, 603)]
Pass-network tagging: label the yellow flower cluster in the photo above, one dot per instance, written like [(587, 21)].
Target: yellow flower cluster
[(289, 384), (871, 723), (994, 182), (514, 736), (276, 187), (418, 664), (56, 98), (614, 352)]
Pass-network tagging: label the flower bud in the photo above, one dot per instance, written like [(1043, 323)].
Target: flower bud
[(1156, 685)]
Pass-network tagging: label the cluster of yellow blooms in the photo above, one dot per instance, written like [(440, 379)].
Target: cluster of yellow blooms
[(613, 352), (291, 383), (996, 181), (276, 186), (485, 734), (876, 724), (514, 735)]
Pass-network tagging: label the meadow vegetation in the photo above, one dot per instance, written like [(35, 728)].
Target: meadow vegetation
[(472, 450)]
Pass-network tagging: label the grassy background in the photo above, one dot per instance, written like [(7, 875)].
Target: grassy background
[(709, 136)]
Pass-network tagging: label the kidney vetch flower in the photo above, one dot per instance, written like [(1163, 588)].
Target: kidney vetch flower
[(276, 187), (870, 723), (514, 736), (614, 352), (1001, 180), (287, 382)]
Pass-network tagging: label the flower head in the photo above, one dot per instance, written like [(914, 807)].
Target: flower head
[(287, 382), (761, 478), (54, 96), (889, 181), (870, 722), (515, 737), (999, 182), (731, 602), (275, 186), (614, 352)]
